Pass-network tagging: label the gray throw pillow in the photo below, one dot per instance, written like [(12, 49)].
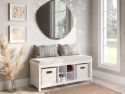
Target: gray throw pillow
[(66, 50), (45, 51)]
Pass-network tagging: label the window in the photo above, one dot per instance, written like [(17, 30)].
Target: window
[(61, 16), (60, 21), (109, 34)]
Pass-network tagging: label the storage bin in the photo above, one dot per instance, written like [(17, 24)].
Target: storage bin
[(48, 77), (82, 71)]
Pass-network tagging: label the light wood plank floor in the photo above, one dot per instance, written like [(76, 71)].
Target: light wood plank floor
[(78, 88)]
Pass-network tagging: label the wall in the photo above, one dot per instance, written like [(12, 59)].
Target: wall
[(80, 32), (95, 39)]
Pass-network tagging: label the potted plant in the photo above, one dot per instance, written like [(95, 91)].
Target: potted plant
[(11, 66)]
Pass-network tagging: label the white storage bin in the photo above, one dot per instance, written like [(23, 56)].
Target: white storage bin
[(48, 77), (82, 71)]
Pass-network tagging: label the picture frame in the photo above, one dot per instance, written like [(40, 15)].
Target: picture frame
[(17, 34), (17, 12)]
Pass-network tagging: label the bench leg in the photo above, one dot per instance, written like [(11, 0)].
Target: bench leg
[(39, 89)]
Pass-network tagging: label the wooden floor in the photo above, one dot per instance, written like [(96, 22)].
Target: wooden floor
[(66, 89)]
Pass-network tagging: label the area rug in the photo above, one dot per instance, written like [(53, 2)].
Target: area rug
[(77, 88), (83, 89)]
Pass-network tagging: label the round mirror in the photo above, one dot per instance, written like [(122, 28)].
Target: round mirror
[(54, 19)]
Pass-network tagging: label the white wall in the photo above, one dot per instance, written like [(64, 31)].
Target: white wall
[(80, 33)]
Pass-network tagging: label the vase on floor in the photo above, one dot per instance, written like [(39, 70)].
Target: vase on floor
[(12, 86)]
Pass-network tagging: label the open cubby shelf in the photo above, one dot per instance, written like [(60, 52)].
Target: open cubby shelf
[(66, 73)]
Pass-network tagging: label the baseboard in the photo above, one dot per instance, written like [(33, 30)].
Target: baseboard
[(103, 79), (19, 83), (107, 85), (109, 77)]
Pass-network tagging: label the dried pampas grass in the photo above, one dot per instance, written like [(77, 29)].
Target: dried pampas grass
[(12, 66)]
